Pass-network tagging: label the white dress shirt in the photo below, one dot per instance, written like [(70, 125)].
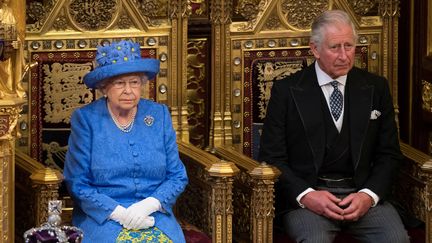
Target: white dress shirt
[(324, 82)]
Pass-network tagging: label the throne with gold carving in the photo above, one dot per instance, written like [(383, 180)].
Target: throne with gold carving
[(270, 40), (61, 40)]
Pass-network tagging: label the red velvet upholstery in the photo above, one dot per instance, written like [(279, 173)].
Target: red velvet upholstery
[(193, 236)]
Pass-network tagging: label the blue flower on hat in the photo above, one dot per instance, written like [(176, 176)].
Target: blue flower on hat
[(120, 58), (102, 55)]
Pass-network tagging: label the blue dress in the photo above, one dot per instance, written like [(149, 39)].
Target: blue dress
[(106, 167)]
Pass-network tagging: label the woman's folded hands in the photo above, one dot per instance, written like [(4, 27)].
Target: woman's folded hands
[(137, 215)]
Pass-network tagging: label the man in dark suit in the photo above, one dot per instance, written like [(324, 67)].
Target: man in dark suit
[(331, 130)]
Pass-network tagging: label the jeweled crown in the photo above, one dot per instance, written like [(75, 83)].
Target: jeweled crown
[(52, 231)]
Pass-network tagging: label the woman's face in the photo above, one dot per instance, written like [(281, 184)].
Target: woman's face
[(124, 91)]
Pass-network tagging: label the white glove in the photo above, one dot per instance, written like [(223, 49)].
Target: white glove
[(141, 223), (137, 212), (119, 214)]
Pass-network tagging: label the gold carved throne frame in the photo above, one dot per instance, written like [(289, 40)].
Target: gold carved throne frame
[(272, 41)]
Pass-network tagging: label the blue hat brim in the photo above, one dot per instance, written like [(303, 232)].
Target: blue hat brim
[(149, 66)]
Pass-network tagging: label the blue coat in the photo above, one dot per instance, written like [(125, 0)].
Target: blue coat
[(106, 167)]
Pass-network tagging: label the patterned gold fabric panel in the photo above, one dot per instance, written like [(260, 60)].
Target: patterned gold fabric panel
[(198, 95)]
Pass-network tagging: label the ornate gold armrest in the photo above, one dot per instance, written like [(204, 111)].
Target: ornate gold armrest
[(44, 181), (414, 190), (253, 197), (207, 200)]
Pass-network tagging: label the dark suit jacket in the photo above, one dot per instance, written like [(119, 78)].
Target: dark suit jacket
[(293, 134)]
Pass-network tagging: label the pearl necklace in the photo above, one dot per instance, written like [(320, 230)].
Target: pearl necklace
[(124, 128)]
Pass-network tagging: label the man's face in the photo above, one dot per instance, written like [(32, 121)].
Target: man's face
[(335, 54)]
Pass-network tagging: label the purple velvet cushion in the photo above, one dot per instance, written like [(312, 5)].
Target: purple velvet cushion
[(44, 235)]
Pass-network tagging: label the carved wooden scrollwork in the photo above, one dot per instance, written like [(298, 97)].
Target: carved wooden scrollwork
[(222, 203), (46, 193), (152, 8), (426, 96), (300, 19), (389, 8), (364, 7), (37, 13), (8, 120), (249, 9), (93, 15), (194, 204)]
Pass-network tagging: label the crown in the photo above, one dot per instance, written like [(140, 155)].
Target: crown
[(51, 231)]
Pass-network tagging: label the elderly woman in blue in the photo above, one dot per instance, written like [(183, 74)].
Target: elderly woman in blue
[(122, 167)]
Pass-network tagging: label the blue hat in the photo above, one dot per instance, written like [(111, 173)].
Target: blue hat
[(120, 58)]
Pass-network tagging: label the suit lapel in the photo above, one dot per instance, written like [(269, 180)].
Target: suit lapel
[(360, 106), (307, 97)]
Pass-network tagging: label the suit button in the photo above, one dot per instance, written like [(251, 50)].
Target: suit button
[(131, 143), (135, 154)]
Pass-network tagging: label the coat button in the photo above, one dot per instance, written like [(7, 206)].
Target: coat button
[(135, 154)]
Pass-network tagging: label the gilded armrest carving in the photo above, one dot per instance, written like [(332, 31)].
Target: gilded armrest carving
[(207, 200), (253, 196), (45, 184), (416, 184)]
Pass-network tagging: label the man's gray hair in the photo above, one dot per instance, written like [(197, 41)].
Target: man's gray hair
[(327, 18)]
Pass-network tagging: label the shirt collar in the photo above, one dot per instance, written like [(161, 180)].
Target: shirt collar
[(324, 78)]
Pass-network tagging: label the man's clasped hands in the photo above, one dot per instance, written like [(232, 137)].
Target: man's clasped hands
[(351, 208)]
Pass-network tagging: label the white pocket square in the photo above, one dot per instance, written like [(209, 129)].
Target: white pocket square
[(375, 114)]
